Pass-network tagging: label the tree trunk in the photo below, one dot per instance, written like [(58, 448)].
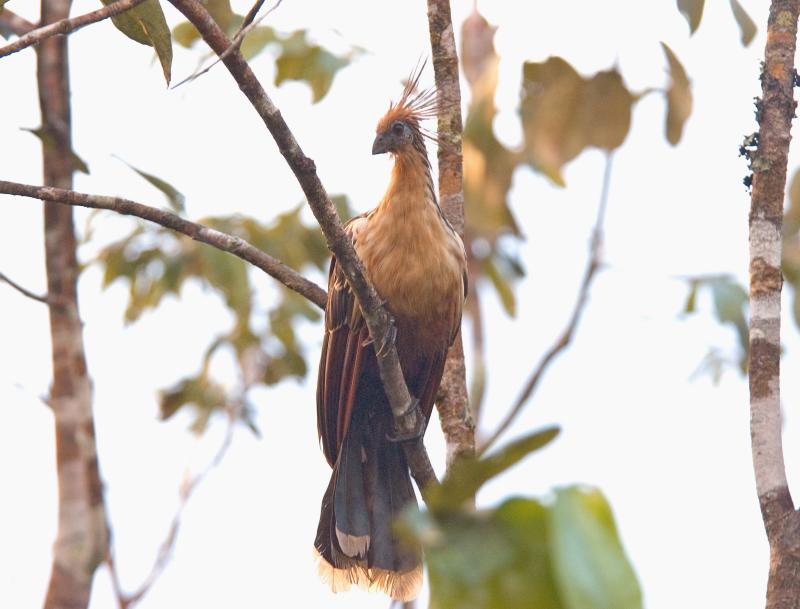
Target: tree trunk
[(82, 535), (775, 112)]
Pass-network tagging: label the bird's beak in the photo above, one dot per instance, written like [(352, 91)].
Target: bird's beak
[(382, 144)]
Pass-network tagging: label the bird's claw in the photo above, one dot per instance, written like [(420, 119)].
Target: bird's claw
[(386, 343), (419, 427)]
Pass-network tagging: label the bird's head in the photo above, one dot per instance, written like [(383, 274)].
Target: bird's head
[(400, 129), (395, 137)]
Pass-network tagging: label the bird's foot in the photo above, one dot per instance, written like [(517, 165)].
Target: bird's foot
[(386, 342), (419, 425)]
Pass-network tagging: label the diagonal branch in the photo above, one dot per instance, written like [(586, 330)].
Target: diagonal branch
[(45, 299), (11, 23), (592, 266), (223, 241), (67, 26), (406, 413)]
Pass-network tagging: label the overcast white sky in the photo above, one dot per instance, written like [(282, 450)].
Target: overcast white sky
[(670, 452)]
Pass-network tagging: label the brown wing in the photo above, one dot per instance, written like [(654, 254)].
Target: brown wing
[(341, 360)]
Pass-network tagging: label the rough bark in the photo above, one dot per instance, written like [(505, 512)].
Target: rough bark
[(82, 537), (452, 401), (406, 413), (222, 241), (781, 521)]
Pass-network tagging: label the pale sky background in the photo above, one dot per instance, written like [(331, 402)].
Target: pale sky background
[(670, 450)]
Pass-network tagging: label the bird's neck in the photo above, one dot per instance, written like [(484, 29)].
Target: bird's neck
[(410, 190)]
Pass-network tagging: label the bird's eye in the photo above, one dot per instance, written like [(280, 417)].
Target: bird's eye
[(397, 128)]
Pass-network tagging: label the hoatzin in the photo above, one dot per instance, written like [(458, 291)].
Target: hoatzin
[(416, 262)]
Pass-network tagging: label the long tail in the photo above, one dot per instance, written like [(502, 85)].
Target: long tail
[(370, 486)]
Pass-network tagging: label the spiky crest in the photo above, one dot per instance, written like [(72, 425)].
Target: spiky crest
[(413, 107)]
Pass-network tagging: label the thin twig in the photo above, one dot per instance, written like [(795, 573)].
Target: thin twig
[(376, 317), (45, 299), (592, 266), (128, 600), (67, 26), (247, 26), (223, 241), (11, 23)]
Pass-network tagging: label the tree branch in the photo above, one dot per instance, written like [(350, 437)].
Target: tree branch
[(781, 521), (11, 23), (67, 26), (45, 299), (128, 600), (452, 401), (222, 241), (592, 266)]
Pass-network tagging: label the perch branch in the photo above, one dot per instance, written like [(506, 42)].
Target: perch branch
[(406, 417), (223, 241), (67, 26), (592, 266)]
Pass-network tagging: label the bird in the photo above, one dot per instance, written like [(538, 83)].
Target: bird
[(417, 264)]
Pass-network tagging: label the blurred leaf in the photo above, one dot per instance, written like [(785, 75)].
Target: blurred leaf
[(146, 25), (563, 113), (478, 57), (257, 40), (301, 60), (746, 25), (175, 198), (679, 97), (78, 164), (691, 299), (693, 12), (791, 220), (730, 302), (466, 476), (500, 284), (185, 34), (201, 392), (588, 559)]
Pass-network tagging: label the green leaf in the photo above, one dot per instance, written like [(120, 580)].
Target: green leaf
[(175, 198), (501, 285), (746, 25), (301, 60), (588, 559), (679, 97), (200, 391), (146, 25), (563, 113), (466, 476), (691, 299), (48, 141), (693, 12), (730, 301)]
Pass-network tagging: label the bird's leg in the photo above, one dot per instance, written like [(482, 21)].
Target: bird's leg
[(385, 343), (419, 424)]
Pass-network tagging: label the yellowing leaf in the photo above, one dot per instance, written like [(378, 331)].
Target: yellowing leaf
[(679, 97), (563, 113), (746, 25), (146, 25), (693, 11), (185, 34)]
